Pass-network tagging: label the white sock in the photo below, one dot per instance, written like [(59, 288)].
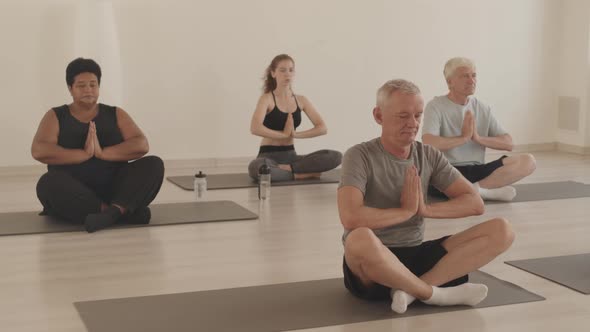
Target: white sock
[(400, 301), (467, 294), (505, 193)]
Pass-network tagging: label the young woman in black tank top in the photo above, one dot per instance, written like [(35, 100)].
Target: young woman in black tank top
[(276, 118), (87, 147)]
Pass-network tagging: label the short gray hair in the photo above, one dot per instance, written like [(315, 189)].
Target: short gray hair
[(392, 86), (455, 63)]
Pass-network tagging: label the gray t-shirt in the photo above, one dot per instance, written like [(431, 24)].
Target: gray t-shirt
[(444, 118), (379, 175)]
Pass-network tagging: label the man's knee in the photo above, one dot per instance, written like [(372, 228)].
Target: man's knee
[(528, 163), (501, 235), (360, 241), (361, 251)]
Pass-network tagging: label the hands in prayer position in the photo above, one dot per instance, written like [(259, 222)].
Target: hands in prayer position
[(412, 197)]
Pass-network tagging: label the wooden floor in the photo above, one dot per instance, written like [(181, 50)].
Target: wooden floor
[(297, 238)]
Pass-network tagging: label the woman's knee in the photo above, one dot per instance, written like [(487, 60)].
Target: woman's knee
[(43, 185), (154, 163), (335, 158), (49, 182), (254, 166), (330, 159)]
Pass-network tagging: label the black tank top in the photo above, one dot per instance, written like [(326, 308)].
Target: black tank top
[(95, 173), (276, 119)]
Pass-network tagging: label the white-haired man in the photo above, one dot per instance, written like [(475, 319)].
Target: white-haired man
[(462, 127), (381, 202)]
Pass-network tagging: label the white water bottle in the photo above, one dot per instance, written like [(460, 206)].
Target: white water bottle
[(264, 182), (200, 185)]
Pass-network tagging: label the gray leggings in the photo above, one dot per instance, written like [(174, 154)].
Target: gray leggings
[(316, 162)]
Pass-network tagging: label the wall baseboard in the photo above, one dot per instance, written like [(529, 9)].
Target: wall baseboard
[(235, 162), (26, 170), (583, 150), (193, 164), (538, 147), (525, 148), (207, 163)]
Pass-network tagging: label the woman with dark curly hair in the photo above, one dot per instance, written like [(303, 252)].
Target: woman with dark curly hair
[(88, 148)]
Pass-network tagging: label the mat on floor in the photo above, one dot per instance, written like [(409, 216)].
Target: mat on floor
[(16, 223), (543, 191), (280, 307), (571, 271), (243, 180)]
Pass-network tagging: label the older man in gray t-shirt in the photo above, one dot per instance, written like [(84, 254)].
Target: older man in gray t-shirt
[(463, 127), (381, 202), (380, 176)]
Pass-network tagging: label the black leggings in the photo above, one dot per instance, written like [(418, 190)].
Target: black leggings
[(135, 185), (316, 162)]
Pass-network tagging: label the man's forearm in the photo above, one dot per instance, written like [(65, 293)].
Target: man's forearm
[(503, 142), (375, 218), (461, 206), (444, 143)]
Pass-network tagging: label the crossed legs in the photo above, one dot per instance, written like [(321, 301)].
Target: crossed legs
[(493, 180), (373, 263), (134, 187), (287, 165), (514, 169)]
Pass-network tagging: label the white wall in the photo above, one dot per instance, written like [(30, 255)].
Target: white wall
[(574, 80), (192, 70)]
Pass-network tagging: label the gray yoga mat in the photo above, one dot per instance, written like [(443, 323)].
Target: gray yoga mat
[(279, 307), (542, 191), (17, 223), (243, 180), (570, 271)]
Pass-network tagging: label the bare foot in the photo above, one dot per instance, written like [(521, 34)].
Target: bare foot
[(303, 176), (285, 167)]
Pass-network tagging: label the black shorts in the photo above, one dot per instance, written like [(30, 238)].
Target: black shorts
[(419, 260), (473, 173)]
